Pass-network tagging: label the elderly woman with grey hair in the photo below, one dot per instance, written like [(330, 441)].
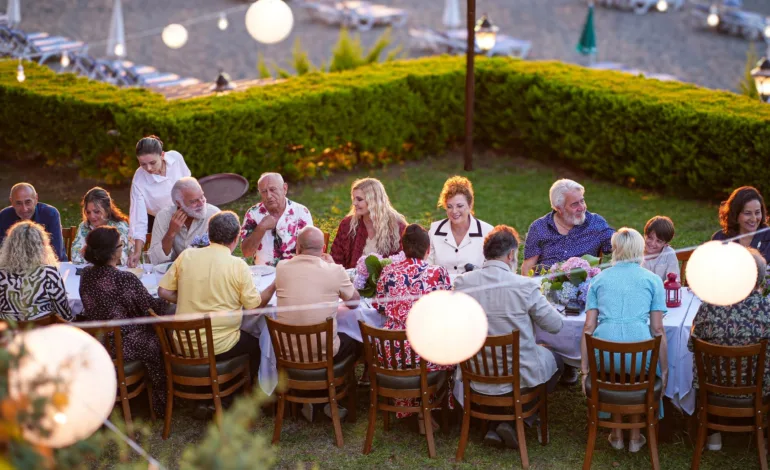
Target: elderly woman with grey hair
[(177, 226), (626, 303), (746, 322), (30, 285), (569, 230)]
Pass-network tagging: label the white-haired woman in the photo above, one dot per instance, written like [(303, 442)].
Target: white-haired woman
[(30, 285), (371, 226), (625, 303)]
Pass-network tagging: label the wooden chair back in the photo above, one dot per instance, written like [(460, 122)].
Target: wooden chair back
[(302, 347), (68, 235), (388, 346), (494, 366), (51, 319), (684, 258), (622, 367), (730, 371), (181, 342)]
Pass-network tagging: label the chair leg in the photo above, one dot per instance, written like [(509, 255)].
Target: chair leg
[(386, 417), (701, 441), (428, 420), (593, 424), (373, 401), (522, 439), (279, 418), (335, 416), (126, 406), (153, 416), (169, 409), (293, 411), (445, 412), (652, 437), (218, 410), (761, 444), (465, 429)]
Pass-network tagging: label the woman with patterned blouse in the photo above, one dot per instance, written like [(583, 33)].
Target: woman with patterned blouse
[(111, 294), (30, 285), (746, 322), (371, 226), (407, 279), (100, 210)]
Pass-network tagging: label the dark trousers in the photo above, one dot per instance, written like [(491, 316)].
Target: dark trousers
[(150, 222), (248, 345), (348, 347)]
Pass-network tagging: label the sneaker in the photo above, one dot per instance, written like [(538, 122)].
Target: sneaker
[(714, 442), (307, 412), (506, 432), (636, 446), (493, 439), (569, 376), (340, 410)]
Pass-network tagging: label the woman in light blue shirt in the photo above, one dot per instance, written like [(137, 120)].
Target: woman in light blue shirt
[(625, 303)]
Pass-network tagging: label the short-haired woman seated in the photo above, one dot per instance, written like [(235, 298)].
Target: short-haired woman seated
[(620, 303), (111, 294), (371, 226), (100, 210), (458, 240), (30, 284), (405, 279)]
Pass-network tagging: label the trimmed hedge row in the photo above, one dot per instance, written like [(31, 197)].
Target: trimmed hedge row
[(668, 136)]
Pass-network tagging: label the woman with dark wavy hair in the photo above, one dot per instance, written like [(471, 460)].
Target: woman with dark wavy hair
[(99, 210), (111, 294), (744, 213)]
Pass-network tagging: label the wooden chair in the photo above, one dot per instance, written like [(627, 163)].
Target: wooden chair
[(684, 258), (722, 392), (495, 368), (613, 389), (29, 324), (308, 371), (390, 380), (68, 235), (326, 242), (132, 376), (190, 366)]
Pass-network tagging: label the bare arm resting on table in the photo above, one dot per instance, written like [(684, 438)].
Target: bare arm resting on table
[(170, 295), (529, 264)]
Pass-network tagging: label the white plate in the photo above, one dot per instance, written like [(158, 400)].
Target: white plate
[(262, 270), (162, 268)]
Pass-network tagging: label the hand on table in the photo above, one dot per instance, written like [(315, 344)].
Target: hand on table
[(133, 260), (177, 221)]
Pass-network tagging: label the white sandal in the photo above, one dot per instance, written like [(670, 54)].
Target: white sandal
[(617, 445), (636, 446)]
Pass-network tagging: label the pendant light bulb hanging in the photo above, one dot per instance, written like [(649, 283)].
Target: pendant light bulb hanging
[(65, 60), (120, 49), (222, 23), (20, 73)]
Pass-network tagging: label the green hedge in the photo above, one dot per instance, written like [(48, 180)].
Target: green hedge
[(668, 136)]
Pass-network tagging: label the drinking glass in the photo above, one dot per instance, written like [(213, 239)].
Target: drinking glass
[(146, 263)]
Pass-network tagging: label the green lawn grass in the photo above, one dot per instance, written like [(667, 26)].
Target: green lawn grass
[(508, 191)]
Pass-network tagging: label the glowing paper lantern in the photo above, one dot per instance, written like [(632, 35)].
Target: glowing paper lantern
[(269, 21), (662, 5), (174, 36), (446, 327), (84, 368), (721, 273)]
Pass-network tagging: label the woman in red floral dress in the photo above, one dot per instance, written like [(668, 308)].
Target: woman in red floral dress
[(403, 282)]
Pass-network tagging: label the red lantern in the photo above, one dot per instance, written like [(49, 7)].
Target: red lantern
[(673, 295)]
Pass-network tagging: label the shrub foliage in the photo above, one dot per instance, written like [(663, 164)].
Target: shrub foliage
[(670, 136)]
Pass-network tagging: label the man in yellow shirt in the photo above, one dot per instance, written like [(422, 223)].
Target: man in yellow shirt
[(211, 280)]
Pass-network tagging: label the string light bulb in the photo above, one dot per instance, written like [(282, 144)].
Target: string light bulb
[(174, 36), (120, 49), (662, 5), (20, 73), (222, 24), (65, 60), (713, 18)]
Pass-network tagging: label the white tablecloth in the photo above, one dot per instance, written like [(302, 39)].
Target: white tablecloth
[(72, 284), (567, 344)]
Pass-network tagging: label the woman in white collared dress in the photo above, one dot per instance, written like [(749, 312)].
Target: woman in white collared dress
[(457, 240), (151, 188)]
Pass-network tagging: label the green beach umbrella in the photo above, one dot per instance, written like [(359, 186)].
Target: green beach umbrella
[(587, 43)]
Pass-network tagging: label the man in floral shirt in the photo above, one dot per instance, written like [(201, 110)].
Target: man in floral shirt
[(270, 228)]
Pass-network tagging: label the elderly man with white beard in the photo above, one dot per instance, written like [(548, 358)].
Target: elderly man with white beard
[(569, 230), (177, 226)]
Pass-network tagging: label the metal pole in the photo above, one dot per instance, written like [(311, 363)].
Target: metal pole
[(469, 85)]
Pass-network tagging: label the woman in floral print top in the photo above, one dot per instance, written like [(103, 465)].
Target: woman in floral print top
[(744, 323), (99, 210), (270, 228), (409, 278)]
